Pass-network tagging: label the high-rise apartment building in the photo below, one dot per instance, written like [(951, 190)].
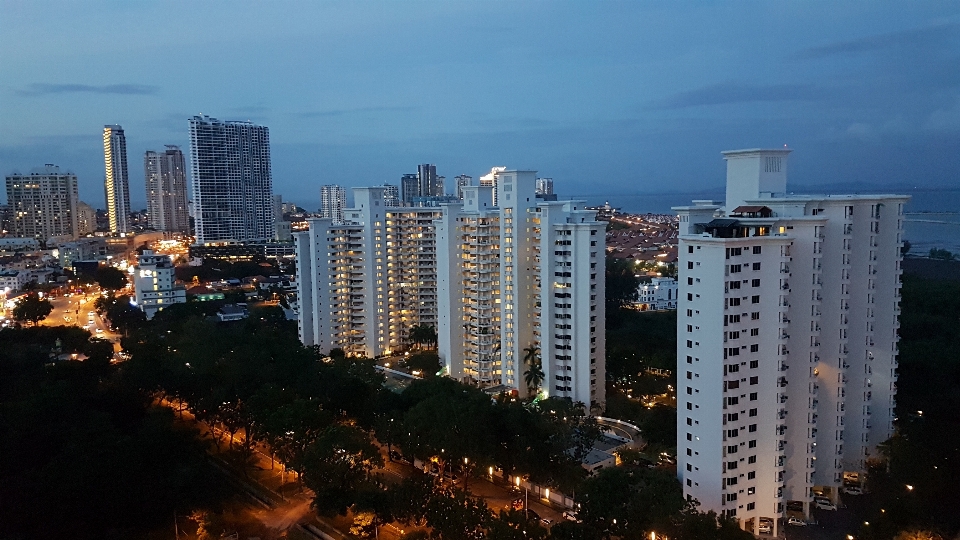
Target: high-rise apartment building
[(365, 281), (391, 195), (231, 180), (165, 174), (86, 219), (462, 181), (544, 186), (409, 188), (116, 182), (154, 282), (43, 204), (527, 276), (333, 199), (431, 185), (787, 339), (490, 180)]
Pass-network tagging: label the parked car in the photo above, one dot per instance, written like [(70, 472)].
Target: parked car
[(796, 522), (853, 490), (824, 504), (765, 527), (570, 515), (546, 522)]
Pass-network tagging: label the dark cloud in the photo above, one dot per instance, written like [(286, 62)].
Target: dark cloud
[(930, 36), (43, 89), (360, 110), (727, 93)]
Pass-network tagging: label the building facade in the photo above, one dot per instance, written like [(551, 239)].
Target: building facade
[(787, 339), (518, 281), (544, 186), (333, 199), (165, 174), (43, 204), (116, 181), (659, 294), (154, 281), (231, 180), (391, 195), (461, 182), (363, 283)]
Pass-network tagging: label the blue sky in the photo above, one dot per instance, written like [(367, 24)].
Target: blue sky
[(606, 97)]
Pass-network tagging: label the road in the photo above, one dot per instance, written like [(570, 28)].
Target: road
[(75, 311)]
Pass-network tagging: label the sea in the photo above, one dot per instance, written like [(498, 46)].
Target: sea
[(931, 220)]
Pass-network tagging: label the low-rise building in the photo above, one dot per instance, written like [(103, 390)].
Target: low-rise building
[(16, 243), (233, 312), (155, 283), (659, 294), (13, 280)]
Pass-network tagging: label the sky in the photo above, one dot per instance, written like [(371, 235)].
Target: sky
[(608, 98)]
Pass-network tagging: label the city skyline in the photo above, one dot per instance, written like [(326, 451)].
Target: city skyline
[(871, 91)]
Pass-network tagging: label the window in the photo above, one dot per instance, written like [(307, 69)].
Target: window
[(734, 268), (689, 406), (689, 281), (733, 400), (754, 364), (731, 465), (689, 421), (733, 432), (689, 313), (751, 429), (756, 266), (689, 391), (755, 283), (751, 490), (731, 482), (689, 265), (689, 375), (754, 379), (689, 452), (752, 444), (753, 412), (755, 348), (751, 459), (689, 297), (753, 397), (689, 328), (689, 249), (732, 449), (756, 250), (755, 299), (689, 344), (734, 302), (755, 316), (750, 506), (754, 331), (732, 417), (689, 437), (689, 468), (689, 359), (733, 385)]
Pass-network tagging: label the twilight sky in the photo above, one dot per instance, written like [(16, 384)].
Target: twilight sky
[(606, 97)]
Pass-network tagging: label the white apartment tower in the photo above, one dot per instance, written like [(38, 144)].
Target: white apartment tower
[(333, 199), (527, 275), (365, 281), (116, 182), (545, 186), (462, 181), (154, 281), (787, 339), (44, 204), (165, 174), (231, 180)]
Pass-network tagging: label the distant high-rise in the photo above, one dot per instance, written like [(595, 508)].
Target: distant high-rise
[(43, 203), (166, 182), (490, 180), (462, 181), (409, 188), (427, 176), (86, 219), (116, 182), (333, 199), (232, 184), (391, 195), (544, 186)]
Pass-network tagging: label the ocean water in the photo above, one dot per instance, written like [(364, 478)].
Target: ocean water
[(932, 217)]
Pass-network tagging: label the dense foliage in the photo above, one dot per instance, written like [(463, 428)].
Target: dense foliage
[(32, 308)]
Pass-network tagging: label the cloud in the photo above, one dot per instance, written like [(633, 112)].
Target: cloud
[(43, 89), (924, 37), (727, 93), (359, 110)]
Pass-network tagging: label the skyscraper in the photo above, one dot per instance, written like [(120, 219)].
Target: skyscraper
[(391, 195), (166, 182), (786, 339), (427, 178), (523, 277), (409, 188), (116, 181), (232, 183), (43, 203), (462, 181), (333, 199), (544, 186)]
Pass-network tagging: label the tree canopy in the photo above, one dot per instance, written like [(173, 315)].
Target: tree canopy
[(32, 308)]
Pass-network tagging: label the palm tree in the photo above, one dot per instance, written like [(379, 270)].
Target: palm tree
[(534, 375), (423, 333)]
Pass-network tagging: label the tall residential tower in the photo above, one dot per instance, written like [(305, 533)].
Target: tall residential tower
[(333, 199), (43, 204), (116, 182), (166, 183), (231, 179), (787, 339)]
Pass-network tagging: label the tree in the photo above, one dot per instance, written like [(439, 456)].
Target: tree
[(427, 363), (455, 516), (32, 308), (423, 334), (621, 283), (339, 465), (534, 374), (514, 525), (941, 254), (109, 278)]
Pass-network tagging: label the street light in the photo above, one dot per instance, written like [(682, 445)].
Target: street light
[(909, 487)]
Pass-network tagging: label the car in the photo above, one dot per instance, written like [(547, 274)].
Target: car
[(796, 522), (570, 515), (765, 528), (853, 490), (546, 522), (824, 505), (795, 506), (99, 330)]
